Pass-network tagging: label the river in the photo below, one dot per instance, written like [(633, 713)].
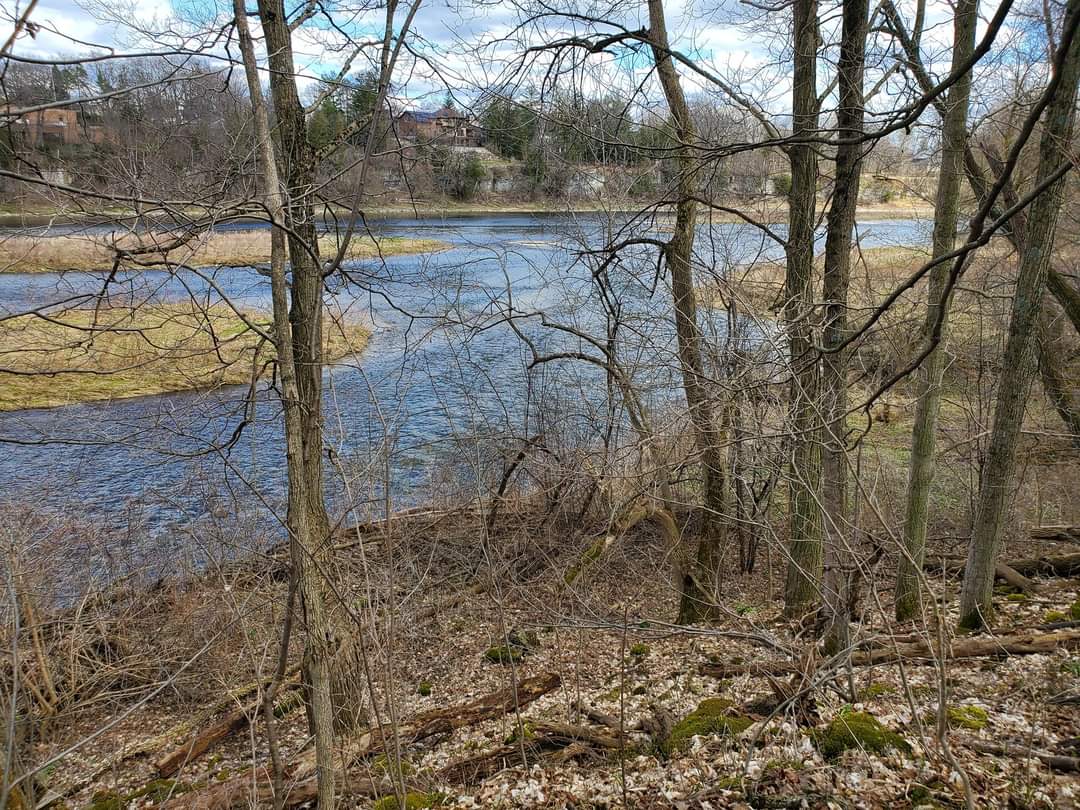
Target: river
[(443, 377)]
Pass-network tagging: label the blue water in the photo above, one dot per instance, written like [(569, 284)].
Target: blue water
[(440, 388)]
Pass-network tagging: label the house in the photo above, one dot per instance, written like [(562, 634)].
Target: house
[(445, 127), (55, 127)]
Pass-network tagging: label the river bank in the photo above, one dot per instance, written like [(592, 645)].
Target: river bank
[(770, 211), (110, 353), (607, 699), (102, 252)]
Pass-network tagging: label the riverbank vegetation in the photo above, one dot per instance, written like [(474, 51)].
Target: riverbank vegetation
[(157, 249), (711, 493), (117, 352)]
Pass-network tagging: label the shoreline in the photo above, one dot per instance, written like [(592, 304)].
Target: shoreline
[(441, 210), (25, 254)]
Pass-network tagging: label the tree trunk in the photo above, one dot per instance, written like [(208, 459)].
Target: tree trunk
[(304, 533), (804, 564), (699, 570), (841, 223), (1050, 364), (928, 383), (1058, 367), (1018, 367), (332, 645)]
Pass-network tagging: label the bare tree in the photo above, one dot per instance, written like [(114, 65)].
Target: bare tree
[(1018, 369), (929, 380)]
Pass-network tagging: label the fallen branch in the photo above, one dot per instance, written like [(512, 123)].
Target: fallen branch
[(1065, 565), (1067, 534), (1032, 643), (255, 784), (206, 739), (544, 738), (761, 668), (150, 745), (1015, 578), (1057, 762)]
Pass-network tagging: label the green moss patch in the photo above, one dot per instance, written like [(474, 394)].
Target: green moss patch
[(413, 801), (1074, 610), (107, 800), (1052, 616), (424, 688), (639, 650), (520, 643), (857, 730), (972, 718), (875, 690), (712, 717), (384, 765), (160, 790), (504, 654)]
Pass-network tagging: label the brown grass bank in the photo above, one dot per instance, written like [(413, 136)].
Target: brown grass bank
[(86, 355), (99, 252)]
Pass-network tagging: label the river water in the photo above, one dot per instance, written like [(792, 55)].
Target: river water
[(439, 385)]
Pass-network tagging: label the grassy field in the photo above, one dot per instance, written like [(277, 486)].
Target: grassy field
[(26, 254), (115, 353)]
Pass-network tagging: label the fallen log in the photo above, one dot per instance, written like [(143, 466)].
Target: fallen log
[(204, 740), (149, 746), (255, 784), (1065, 565), (760, 668), (983, 647), (545, 738), (1031, 643), (1015, 578), (1066, 534), (1056, 762)]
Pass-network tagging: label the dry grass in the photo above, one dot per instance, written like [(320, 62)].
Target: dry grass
[(26, 254), (119, 352)]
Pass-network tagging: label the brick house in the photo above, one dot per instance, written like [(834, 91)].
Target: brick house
[(446, 127)]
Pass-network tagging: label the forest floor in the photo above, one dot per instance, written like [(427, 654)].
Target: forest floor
[(642, 714), (150, 250), (84, 355)]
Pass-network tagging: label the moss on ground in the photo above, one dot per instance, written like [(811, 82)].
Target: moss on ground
[(857, 730), (413, 801), (1074, 610), (107, 800), (504, 654), (424, 688), (875, 690), (972, 718), (639, 650), (384, 765), (712, 717)]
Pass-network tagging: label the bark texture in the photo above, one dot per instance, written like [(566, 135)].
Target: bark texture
[(803, 579), (928, 382), (839, 562), (699, 575), (1018, 367)]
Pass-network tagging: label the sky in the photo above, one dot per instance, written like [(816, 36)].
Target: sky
[(447, 30)]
